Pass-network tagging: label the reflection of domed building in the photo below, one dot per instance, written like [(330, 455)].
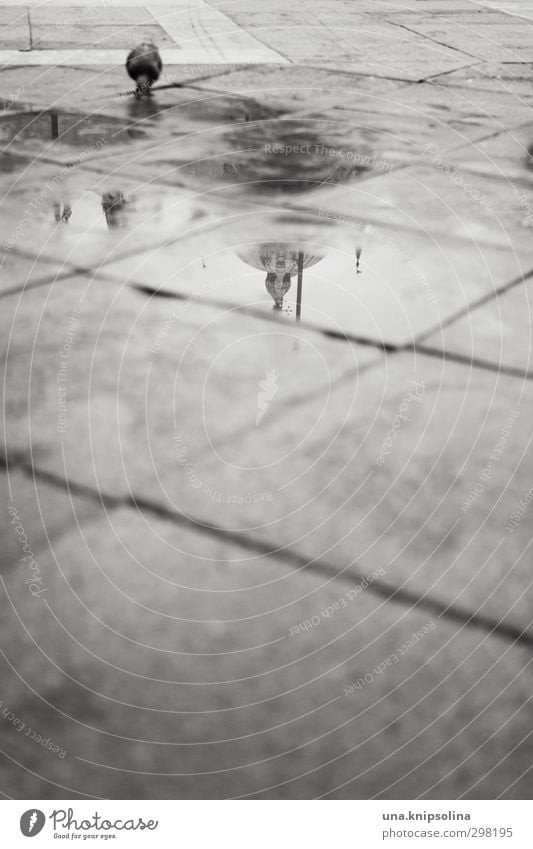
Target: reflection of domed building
[(280, 261)]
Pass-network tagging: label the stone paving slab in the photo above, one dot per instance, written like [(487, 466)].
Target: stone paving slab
[(15, 36), (196, 32), (102, 323), (509, 77), (47, 87), (47, 37), (203, 28), (91, 15), (512, 7), (437, 199), (399, 137), (360, 43), (224, 715), (465, 111), (297, 84), (506, 154), (19, 272), (13, 15), (497, 41)]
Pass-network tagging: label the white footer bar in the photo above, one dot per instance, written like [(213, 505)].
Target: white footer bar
[(263, 824)]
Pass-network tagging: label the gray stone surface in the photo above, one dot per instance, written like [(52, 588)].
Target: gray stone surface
[(47, 37), (90, 15), (113, 667), (334, 500), (512, 44), (359, 44), (109, 366), (15, 36), (509, 77), (498, 332), (506, 155), (196, 475)]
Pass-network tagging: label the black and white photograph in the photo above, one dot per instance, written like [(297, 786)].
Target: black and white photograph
[(266, 299)]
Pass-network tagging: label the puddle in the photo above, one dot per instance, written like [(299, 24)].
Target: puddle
[(68, 128), (280, 157), (246, 227)]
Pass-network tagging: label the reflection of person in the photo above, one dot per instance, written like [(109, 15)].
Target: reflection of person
[(112, 204), (277, 287), (62, 216)]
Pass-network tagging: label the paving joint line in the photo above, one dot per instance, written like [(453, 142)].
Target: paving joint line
[(474, 305), (476, 362), (385, 347), (435, 40)]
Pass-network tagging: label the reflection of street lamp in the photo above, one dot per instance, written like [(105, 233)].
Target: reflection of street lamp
[(54, 125), (300, 285)]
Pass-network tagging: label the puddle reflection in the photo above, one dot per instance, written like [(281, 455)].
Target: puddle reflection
[(243, 224), (68, 128), (281, 263)]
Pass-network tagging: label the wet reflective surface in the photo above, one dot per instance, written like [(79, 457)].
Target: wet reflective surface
[(332, 236), (259, 344)]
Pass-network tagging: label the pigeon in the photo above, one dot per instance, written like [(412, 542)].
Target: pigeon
[(144, 65)]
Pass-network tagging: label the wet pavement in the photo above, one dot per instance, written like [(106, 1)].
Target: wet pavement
[(267, 402)]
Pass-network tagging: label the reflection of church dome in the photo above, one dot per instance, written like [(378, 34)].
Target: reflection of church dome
[(280, 261)]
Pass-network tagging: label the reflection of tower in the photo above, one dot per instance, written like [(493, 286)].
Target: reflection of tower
[(277, 287), (280, 261), (112, 204)]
